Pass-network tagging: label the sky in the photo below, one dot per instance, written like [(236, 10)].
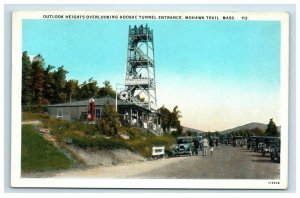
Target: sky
[(221, 74)]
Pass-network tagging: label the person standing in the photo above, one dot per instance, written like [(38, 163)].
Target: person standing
[(192, 148), (211, 145), (196, 145), (205, 146), (201, 144)]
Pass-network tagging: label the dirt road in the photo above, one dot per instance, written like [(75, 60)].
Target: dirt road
[(226, 163)]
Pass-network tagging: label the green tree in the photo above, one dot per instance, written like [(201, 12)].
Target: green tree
[(107, 90), (272, 129), (189, 133), (175, 115), (38, 79), (49, 84), (88, 89), (217, 134), (109, 123), (26, 79), (257, 132), (72, 89), (60, 82), (165, 115), (170, 119)]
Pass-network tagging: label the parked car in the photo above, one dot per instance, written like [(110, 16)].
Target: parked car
[(269, 144), (237, 141), (275, 152), (223, 140), (183, 146), (260, 143), (230, 140), (251, 142)]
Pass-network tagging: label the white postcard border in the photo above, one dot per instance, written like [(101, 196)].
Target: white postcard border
[(18, 181)]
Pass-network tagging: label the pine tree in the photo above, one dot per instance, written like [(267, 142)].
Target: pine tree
[(272, 129), (38, 79), (49, 85), (26, 80), (109, 123), (60, 82)]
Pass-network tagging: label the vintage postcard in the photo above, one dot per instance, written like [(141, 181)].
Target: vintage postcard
[(139, 99)]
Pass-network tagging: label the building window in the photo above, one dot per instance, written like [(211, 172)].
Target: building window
[(59, 113), (98, 114)]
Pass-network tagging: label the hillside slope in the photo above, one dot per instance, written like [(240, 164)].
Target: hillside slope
[(249, 126)]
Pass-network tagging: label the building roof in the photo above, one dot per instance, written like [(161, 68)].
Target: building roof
[(97, 101)]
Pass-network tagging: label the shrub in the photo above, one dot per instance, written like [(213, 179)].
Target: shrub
[(109, 123), (97, 142)]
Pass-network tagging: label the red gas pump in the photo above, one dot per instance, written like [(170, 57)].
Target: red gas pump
[(91, 111)]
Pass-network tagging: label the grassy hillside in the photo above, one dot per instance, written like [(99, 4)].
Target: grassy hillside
[(88, 136), (39, 154), (27, 116)]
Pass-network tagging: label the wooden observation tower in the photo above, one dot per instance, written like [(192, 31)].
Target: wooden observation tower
[(140, 68)]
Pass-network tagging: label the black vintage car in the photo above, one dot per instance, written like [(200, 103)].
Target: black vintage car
[(275, 152), (269, 144)]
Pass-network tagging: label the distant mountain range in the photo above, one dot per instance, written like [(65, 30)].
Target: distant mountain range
[(249, 126), (185, 129)]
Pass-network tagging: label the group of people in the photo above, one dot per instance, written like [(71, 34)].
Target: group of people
[(203, 145)]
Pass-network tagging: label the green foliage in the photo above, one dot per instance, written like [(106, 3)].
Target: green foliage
[(26, 79), (60, 82), (72, 89), (42, 85), (189, 133), (257, 132), (98, 142), (165, 118), (88, 89), (37, 79), (26, 116), (49, 84), (109, 123), (39, 154), (34, 108), (170, 119), (144, 144), (63, 129), (247, 132), (88, 136), (107, 90), (272, 129)]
